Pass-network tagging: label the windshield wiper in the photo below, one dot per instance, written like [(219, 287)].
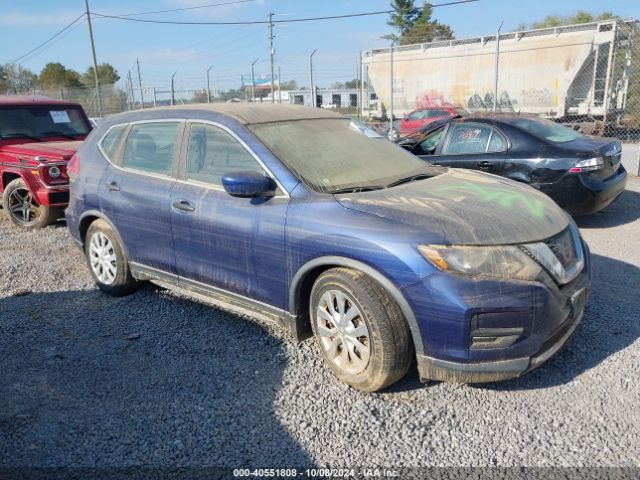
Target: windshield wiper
[(357, 189), (19, 135), (412, 178), (58, 134)]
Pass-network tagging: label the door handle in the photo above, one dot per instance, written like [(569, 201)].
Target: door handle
[(485, 164), (184, 205), (113, 186)]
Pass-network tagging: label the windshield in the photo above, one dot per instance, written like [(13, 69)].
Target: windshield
[(330, 155), (37, 121), (546, 129)]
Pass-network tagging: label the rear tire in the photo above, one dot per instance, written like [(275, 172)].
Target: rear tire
[(360, 330), (22, 209), (107, 262)]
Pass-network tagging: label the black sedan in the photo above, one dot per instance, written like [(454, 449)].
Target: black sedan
[(583, 174)]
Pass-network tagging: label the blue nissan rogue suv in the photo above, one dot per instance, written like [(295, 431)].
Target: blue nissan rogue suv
[(299, 216)]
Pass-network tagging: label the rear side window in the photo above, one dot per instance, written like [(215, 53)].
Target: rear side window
[(467, 138), (149, 147), (111, 141), (213, 152)]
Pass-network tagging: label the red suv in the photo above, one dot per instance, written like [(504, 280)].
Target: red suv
[(38, 135), (412, 121)]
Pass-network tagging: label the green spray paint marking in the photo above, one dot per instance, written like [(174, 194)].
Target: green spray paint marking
[(504, 198)]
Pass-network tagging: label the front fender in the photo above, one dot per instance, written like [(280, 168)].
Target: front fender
[(339, 261)]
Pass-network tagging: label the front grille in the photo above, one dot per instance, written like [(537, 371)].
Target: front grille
[(58, 197), (563, 248)]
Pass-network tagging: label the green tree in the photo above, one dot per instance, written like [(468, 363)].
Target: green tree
[(415, 25), (424, 29), (354, 83), (402, 18), (16, 79), (107, 75), (290, 85), (56, 75), (559, 20), (199, 97)]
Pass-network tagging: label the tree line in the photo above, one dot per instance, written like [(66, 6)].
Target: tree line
[(54, 76)]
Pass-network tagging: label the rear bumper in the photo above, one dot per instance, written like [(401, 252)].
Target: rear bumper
[(442, 370), (582, 194)]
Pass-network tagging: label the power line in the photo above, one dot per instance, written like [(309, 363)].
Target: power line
[(257, 22), (27, 58), (49, 39), (183, 9)]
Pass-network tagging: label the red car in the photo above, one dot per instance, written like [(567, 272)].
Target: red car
[(38, 135), (412, 121)]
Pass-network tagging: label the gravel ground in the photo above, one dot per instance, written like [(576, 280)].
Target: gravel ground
[(157, 379)]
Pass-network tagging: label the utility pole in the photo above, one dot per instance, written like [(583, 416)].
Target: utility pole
[(173, 97), (359, 86), (253, 82), (140, 83), (208, 85), (130, 91), (495, 83), (392, 132), (95, 61), (279, 86), (271, 53), (313, 96)]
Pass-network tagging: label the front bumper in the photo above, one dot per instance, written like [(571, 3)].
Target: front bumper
[(442, 370), (530, 322), (53, 197)]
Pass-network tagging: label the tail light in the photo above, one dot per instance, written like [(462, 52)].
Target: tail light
[(588, 165), (73, 167)]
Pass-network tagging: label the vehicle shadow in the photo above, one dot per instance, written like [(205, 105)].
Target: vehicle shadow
[(623, 210), (170, 384), (610, 324)]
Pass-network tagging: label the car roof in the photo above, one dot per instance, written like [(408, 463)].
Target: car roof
[(33, 100), (254, 113), (497, 117)]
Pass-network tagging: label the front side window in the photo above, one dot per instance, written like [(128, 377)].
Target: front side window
[(150, 147), (429, 144), (469, 138), (39, 121), (330, 155), (213, 152)]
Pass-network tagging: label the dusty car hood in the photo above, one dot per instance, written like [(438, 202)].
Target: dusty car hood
[(53, 150), (466, 208)]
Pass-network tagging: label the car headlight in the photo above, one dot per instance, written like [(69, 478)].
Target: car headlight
[(54, 172), (507, 261)]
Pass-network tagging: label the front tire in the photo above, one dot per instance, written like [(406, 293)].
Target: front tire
[(23, 210), (107, 262), (360, 330)]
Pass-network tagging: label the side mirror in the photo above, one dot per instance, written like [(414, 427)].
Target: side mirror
[(248, 184)]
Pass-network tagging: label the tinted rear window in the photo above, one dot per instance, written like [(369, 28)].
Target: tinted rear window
[(546, 129), (42, 121)]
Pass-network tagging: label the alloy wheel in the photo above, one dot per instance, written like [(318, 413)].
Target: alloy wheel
[(343, 332), (102, 258), (22, 207)]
